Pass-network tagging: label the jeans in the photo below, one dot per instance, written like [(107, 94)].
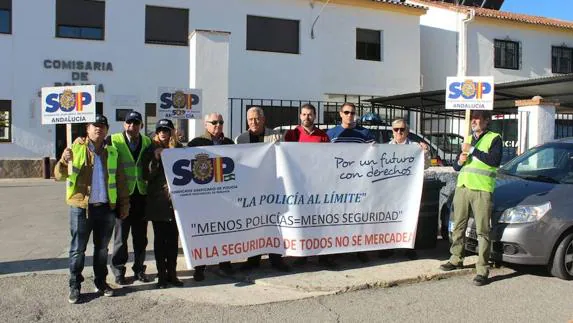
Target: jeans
[(138, 230), (101, 220)]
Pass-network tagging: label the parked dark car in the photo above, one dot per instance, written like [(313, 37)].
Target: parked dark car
[(532, 220)]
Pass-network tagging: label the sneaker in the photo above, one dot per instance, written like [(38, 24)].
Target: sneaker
[(176, 282), (104, 289), (480, 280), (448, 266), (161, 284), (142, 277), (74, 296), (120, 280)]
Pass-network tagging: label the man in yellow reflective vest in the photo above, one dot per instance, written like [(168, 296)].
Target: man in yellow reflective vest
[(96, 192), (477, 164), (131, 145)]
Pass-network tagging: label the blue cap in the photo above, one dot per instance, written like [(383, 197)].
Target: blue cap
[(133, 116)]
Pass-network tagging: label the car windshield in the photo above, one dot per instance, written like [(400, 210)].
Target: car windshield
[(551, 163), (447, 142)]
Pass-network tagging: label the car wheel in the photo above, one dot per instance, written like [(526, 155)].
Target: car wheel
[(562, 265)]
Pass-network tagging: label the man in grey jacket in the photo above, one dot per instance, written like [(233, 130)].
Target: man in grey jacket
[(258, 133)]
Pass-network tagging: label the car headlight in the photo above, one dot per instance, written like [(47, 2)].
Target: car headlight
[(524, 213)]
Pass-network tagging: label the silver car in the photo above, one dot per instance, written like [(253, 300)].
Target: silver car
[(532, 220)]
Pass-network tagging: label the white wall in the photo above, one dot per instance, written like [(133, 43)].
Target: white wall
[(325, 65), (439, 47), (535, 50), (439, 33)]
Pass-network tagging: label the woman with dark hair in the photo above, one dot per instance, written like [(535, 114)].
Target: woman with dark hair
[(159, 209)]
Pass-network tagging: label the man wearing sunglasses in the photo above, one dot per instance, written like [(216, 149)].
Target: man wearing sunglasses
[(213, 136), (349, 132), (131, 145), (400, 132)]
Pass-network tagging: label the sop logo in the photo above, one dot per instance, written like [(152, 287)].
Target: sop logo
[(469, 90), (203, 170), (67, 101), (179, 101)]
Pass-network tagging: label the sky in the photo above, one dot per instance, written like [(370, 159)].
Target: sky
[(560, 9)]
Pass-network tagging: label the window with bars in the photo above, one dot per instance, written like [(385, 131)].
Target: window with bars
[(80, 19), (5, 16), (368, 44), (507, 54), (561, 59), (5, 121)]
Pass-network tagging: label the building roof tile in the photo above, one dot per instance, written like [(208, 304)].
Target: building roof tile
[(503, 15)]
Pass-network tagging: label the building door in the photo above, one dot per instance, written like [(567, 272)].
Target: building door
[(78, 130)]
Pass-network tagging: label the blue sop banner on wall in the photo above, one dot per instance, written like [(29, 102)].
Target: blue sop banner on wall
[(232, 202)]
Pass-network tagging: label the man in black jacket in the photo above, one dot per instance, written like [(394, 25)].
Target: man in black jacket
[(213, 136)]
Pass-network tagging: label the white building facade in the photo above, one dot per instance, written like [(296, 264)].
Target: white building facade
[(508, 46), (129, 48)]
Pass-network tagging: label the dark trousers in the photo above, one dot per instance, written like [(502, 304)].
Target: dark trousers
[(166, 247), (138, 227), (100, 221), (274, 258)]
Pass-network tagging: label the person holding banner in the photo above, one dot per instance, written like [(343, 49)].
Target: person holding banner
[(96, 189), (159, 208), (213, 136), (477, 164), (400, 131), (349, 132), (257, 132), (131, 145), (308, 132)]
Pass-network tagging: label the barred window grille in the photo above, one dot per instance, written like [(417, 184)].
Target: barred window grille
[(561, 59), (507, 54)]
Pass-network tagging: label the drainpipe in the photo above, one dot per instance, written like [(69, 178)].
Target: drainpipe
[(463, 43)]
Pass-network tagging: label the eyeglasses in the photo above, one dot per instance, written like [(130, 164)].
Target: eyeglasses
[(349, 112), (215, 122), (399, 129), (136, 122)]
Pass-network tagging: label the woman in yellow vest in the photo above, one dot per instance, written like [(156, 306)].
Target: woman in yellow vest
[(159, 209), (96, 187), (477, 165)]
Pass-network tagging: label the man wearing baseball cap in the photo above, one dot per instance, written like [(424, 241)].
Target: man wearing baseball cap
[(477, 164), (96, 189), (131, 145)]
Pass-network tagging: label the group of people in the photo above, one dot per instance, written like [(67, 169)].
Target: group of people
[(116, 184)]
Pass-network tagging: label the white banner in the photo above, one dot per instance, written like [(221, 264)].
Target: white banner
[(175, 103), (68, 104), (470, 93), (236, 201)]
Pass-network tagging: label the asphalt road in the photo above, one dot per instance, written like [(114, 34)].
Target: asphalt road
[(33, 281), (513, 298)]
